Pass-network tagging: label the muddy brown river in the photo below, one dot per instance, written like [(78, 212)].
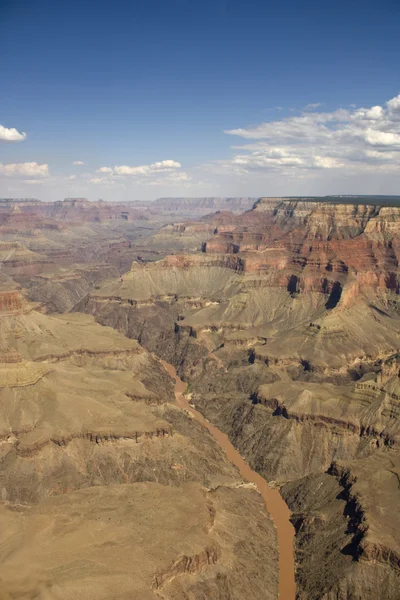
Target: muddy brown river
[(276, 506)]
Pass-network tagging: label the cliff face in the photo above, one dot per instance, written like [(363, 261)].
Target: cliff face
[(309, 240), (345, 523), (287, 327)]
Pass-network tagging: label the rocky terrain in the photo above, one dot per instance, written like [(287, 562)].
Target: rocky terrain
[(108, 489), (285, 321), (59, 250)]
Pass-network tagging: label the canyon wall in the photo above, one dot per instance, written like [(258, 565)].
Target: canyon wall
[(286, 324)]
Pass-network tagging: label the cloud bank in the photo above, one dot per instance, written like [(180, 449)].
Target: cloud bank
[(314, 151), (143, 170), (26, 170), (355, 140), (164, 172)]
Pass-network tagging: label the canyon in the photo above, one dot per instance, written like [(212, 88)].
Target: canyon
[(274, 502), (161, 364)]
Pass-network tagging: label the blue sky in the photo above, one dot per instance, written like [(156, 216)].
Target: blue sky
[(211, 98)]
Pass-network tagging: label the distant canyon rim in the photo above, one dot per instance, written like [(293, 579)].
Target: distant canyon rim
[(281, 316)]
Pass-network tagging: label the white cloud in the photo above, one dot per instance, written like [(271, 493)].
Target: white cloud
[(78, 163), (162, 173), (24, 170), (394, 106), (375, 112), (125, 170), (142, 170), (11, 135), (382, 138), (166, 164), (341, 139), (326, 162)]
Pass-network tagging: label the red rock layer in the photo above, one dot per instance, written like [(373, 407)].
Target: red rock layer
[(313, 244), (11, 301)]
